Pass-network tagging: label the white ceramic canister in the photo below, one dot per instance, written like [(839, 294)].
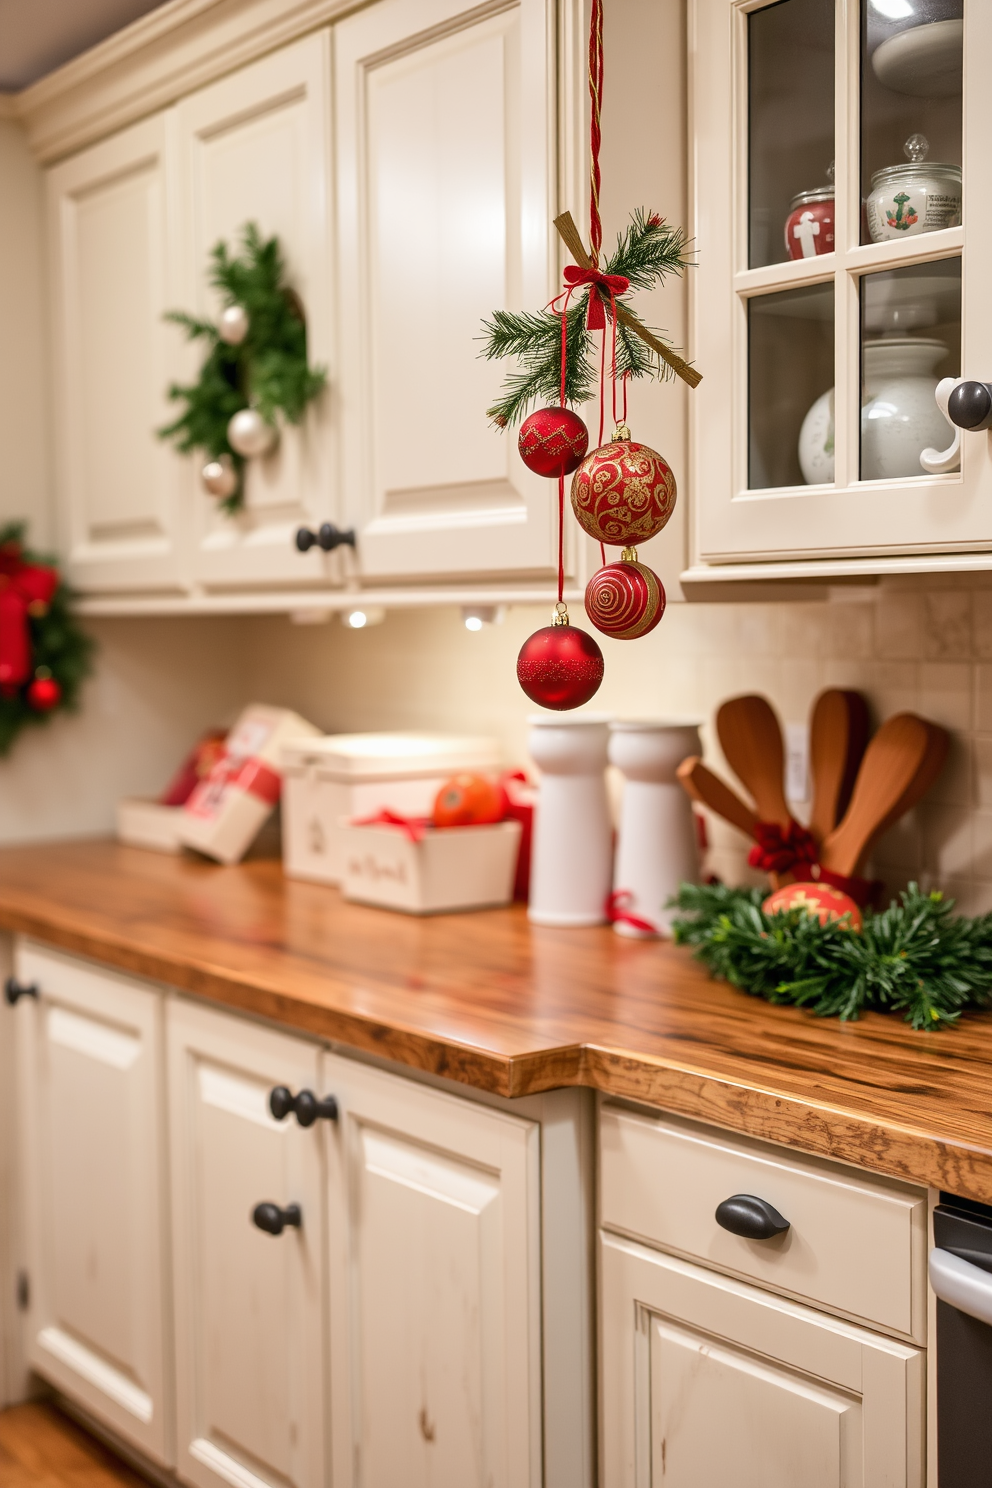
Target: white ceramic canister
[(657, 847), (572, 853), (899, 415), (918, 197)]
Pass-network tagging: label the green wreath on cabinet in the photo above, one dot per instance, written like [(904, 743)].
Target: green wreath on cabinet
[(255, 370)]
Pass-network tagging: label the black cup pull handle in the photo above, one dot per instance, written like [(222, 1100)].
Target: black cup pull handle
[(13, 991), (307, 1107), (273, 1220), (970, 405), (755, 1219), (327, 538)]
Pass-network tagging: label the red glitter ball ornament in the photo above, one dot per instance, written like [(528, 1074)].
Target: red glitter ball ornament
[(552, 441), (624, 492), (44, 694), (625, 600), (560, 667)]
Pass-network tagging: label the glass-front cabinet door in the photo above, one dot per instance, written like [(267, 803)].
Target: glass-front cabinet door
[(843, 219)]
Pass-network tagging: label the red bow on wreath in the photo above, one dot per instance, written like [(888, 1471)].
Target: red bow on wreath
[(25, 589), (600, 285)]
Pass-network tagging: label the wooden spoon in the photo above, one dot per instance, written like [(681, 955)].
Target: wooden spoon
[(838, 733), (709, 790), (751, 738), (902, 752)]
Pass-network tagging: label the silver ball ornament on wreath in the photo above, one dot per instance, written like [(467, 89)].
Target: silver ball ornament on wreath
[(250, 434), (233, 325), (220, 477)]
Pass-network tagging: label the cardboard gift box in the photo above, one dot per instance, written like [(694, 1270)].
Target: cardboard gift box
[(432, 870), (226, 811), (143, 822), (331, 780)]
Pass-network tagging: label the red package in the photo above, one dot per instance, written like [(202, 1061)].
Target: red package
[(194, 768)]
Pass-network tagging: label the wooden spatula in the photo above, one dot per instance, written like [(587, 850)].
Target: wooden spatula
[(709, 790), (838, 733), (751, 739), (898, 756)]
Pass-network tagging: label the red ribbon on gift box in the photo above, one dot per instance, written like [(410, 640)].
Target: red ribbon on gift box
[(253, 776), (415, 827)]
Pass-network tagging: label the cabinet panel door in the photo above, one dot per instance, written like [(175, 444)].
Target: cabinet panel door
[(255, 147), (91, 1102), (435, 1291), (444, 154), (120, 486), (249, 1360), (708, 1381)]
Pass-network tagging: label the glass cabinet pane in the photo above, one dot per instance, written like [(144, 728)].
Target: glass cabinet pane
[(790, 131), (910, 116), (790, 387), (910, 339)]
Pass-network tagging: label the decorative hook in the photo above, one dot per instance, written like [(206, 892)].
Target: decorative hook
[(942, 462)]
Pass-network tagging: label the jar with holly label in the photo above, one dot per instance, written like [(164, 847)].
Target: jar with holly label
[(917, 197), (809, 227)]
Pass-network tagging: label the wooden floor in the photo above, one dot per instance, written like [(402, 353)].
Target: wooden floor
[(42, 1448)]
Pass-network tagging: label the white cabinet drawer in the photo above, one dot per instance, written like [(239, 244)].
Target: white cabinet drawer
[(856, 1245)]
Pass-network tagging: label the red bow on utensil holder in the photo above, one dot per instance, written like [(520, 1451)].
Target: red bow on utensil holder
[(601, 287), (25, 589), (792, 849)]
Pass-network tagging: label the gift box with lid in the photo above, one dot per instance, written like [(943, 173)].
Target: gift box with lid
[(421, 869)]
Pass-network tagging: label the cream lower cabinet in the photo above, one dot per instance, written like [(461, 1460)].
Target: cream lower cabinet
[(90, 1078), (707, 1381), (250, 1397), (434, 1206)]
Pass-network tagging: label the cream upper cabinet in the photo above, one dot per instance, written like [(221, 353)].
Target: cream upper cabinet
[(92, 1119), (445, 166), (435, 1308), (255, 147), (842, 222), (249, 1323), (122, 505)]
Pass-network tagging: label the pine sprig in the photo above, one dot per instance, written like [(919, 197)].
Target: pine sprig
[(647, 251), (916, 957), (268, 370)]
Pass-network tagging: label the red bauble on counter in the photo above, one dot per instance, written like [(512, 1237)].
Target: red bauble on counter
[(552, 441), (560, 667), (44, 694), (624, 492), (625, 600)]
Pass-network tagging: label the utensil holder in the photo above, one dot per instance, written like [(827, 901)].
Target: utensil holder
[(657, 848)]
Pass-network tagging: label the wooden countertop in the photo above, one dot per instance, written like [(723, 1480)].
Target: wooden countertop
[(498, 1004)]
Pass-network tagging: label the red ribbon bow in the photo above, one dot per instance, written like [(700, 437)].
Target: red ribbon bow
[(779, 849), (600, 286), (25, 589)]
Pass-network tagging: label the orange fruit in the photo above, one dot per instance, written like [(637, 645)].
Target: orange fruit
[(468, 801)]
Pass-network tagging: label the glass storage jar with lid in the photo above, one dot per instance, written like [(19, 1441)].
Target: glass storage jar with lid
[(916, 197), (809, 227)]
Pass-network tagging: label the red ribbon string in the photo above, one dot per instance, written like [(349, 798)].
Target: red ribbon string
[(779, 849), (618, 912), (595, 125)]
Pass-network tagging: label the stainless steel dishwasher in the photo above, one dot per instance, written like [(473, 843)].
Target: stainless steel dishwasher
[(961, 1276)]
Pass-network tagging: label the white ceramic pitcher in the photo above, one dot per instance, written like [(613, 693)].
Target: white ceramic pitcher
[(657, 848), (572, 855)]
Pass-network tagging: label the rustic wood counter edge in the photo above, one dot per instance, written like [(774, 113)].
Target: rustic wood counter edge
[(499, 1005)]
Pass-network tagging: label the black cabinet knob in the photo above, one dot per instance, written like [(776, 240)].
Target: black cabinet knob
[(755, 1219), (970, 405), (273, 1220), (327, 537), (13, 990), (306, 1105)]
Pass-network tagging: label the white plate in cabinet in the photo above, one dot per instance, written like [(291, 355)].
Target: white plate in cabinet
[(120, 488), (435, 1287), (256, 147), (91, 1104), (855, 1245), (444, 215), (707, 1381), (248, 1304)]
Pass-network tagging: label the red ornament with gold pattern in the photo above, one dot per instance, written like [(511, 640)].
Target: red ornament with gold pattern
[(625, 600), (822, 901), (624, 492), (553, 441), (560, 666)]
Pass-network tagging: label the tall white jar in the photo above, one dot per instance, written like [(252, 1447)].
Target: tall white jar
[(572, 854), (657, 848)]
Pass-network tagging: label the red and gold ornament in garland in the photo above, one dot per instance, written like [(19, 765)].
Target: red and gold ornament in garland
[(623, 493), (553, 441), (826, 904), (625, 600)]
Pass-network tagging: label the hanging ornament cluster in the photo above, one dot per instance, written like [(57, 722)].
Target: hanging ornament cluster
[(622, 492), (44, 656), (255, 370)]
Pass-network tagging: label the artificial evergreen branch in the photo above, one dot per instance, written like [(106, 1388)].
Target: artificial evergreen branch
[(268, 370), (916, 957), (647, 251)]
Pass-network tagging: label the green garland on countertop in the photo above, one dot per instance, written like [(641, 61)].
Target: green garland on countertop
[(916, 957)]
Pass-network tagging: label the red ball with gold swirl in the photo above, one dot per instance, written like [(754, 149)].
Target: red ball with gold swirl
[(625, 600), (624, 492)]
